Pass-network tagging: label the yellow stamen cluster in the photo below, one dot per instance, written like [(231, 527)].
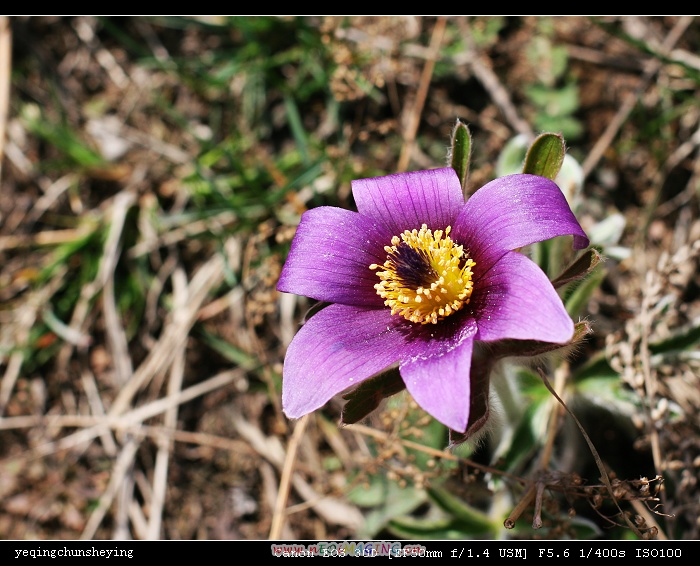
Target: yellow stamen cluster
[(426, 276)]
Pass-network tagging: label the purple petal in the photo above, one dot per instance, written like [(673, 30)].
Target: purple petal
[(405, 201), (514, 299), (337, 348), (479, 381), (514, 211), (439, 379), (330, 257)]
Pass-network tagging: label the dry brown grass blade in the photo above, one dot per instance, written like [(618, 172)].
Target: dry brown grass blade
[(499, 94), (5, 74), (120, 483), (331, 509), (104, 282), (279, 515), (175, 236), (116, 336), (174, 336), (92, 427), (413, 117), (24, 320), (97, 408), (160, 473), (605, 140), (119, 471)]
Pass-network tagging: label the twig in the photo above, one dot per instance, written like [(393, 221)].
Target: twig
[(498, 93), (601, 468), (523, 504), (413, 118), (121, 466), (328, 508), (535, 490), (97, 409), (160, 473), (174, 336), (96, 426), (5, 79), (539, 493), (279, 515), (116, 337), (560, 376), (380, 435)]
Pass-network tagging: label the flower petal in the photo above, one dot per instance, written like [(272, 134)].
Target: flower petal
[(479, 382), (405, 201), (438, 379), (337, 348), (514, 299), (514, 211), (330, 257)]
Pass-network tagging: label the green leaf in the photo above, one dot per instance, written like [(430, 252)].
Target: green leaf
[(545, 156), (440, 528), (607, 393), (62, 137), (531, 348), (460, 153), (387, 500), (525, 441), (570, 127), (367, 396), (297, 127), (596, 366), (579, 269), (469, 517), (555, 103), (413, 528), (686, 337), (228, 350)]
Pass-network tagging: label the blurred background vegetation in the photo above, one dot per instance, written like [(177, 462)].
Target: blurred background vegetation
[(153, 172)]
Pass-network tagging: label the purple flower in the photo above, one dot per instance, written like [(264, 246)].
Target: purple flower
[(416, 276)]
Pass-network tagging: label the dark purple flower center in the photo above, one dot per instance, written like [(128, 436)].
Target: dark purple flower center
[(412, 266)]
